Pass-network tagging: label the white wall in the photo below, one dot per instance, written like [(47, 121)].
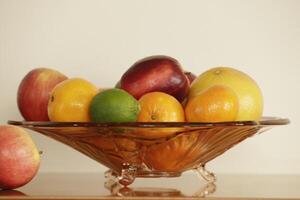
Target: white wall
[(99, 39)]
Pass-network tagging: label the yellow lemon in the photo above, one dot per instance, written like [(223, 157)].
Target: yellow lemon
[(70, 101), (249, 94)]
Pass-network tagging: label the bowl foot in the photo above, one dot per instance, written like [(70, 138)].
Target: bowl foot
[(205, 174), (126, 177), (130, 172), (116, 189)]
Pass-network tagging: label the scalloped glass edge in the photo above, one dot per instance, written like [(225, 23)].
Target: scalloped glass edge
[(265, 121)]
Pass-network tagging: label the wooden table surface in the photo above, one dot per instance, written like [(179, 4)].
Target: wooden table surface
[(189, 186)]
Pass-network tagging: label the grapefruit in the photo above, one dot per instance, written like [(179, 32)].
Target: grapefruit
[(248, 92)]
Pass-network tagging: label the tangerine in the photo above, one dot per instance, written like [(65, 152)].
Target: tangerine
[(248, 93), (160, 107), (216, 104)]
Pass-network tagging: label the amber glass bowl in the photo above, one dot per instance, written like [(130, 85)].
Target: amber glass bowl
[(133, 150)]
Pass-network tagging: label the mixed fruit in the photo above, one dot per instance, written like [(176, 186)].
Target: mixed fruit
[(154, 89)]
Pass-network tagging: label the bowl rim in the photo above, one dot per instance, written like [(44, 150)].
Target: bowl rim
[(264, 121)]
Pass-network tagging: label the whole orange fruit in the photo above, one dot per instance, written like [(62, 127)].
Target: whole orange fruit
[(70, 101), (160, 107), (176, 154), (216, 104), (249, 94)]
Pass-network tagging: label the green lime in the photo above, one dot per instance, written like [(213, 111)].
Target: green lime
[(114, 105)]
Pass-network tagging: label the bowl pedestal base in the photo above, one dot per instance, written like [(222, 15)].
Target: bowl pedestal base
[(117, 182)]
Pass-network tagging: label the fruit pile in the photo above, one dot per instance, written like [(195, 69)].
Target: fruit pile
[(154, 89)]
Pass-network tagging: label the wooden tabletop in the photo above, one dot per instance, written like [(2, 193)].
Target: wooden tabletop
[(189, 186)]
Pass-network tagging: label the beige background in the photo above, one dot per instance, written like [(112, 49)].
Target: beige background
[(99, 40)]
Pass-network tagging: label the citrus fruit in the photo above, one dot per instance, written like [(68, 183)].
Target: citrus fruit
[(160, 107), (70, 101), (249, 94), (114, 105), (216, 104), (176, 154)]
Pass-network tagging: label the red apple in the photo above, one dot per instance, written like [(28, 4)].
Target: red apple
[(34, 93), (190, 76), (19, 157), (156, 73)]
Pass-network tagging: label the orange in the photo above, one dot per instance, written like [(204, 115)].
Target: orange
[(216, 104), (70, 101), (176, 154), (160, 107), (248, 92)]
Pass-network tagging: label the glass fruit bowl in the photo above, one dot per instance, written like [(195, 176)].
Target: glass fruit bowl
[(163, 149)]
